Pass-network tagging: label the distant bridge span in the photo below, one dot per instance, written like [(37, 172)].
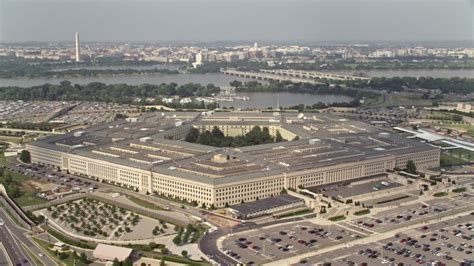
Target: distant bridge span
[(267, 76), (296, 76), (312, 74)]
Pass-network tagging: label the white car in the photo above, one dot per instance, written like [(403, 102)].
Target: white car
[(40, 254), (1, 222)]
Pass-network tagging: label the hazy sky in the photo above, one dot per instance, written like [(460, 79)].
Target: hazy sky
[(227, 20)]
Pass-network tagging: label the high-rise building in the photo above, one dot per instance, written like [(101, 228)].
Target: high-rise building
[(78, 48)]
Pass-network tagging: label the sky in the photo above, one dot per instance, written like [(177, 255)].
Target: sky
[(237, 20)]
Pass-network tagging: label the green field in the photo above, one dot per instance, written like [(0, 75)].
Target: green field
[(145, 204), (3, 160), (469, 128), (448, 160), (16, 140), (46, 247), (461, 154), (27, 194), (399, 99)]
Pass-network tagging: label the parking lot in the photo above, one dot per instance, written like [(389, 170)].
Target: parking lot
[(450, 242), (273, 243), (395, 218), (51, 174)]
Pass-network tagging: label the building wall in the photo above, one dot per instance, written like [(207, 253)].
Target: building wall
[(240, 130), (232, 193), (248, 190), (184, 189), (422, 160)]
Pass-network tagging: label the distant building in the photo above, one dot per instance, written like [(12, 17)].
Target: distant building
[(78, 48), (464, 107)]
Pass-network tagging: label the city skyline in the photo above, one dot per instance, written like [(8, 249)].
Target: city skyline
[(210, 21)]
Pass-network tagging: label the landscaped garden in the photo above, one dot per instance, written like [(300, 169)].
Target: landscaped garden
[(97, 219)]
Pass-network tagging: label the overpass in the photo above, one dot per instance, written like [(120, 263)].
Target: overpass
[(267, 76), (311, 74)]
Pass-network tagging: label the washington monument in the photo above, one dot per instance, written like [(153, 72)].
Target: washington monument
[(78, 49)]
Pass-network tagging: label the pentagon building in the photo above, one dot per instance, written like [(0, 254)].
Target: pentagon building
[(149, 154)]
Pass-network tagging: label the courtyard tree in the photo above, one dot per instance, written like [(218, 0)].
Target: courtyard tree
[(25, 156), (411, 167)]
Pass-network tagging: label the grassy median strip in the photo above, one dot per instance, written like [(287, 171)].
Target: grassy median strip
[(337, 218), (362, 212), (440, 194), (292, 214), (145, 204), (459, 190)]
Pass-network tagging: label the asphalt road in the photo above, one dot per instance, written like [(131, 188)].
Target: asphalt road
[(14, 251), (6, 237), (3, 258)]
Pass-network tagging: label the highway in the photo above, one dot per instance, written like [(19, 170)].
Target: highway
[(4, 259), (14, 251), (11, 236)]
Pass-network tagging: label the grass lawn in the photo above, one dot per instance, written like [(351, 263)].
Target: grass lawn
[(16, 140), (28, 199), (462, 154), (145, 204), (448, 160), (469, 128), (3, 160), (69, 261), (292, 214), (440, 194), (400, 99), (27, 193)]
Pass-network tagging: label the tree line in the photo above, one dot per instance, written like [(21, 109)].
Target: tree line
[(445, 85), (96, 91), (216, 137)]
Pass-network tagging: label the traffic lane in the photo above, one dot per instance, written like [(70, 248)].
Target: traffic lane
[(208, 246), (13, 249), (19, 235), (3, 257)]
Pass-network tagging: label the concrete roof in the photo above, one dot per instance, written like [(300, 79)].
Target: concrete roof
[(109, 252)]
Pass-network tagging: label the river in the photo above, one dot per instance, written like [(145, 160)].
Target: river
[(214, 78)]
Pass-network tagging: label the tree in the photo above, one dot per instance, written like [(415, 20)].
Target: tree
[(184, 253), (153, 245), (283, 191), (83, 258), (116, 262), (127, 262), (25, 156), (278, 137), (192, 135), (236, 84), (8, 179), (13, 191), (164, 250), (162, 261), (411, 167)]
